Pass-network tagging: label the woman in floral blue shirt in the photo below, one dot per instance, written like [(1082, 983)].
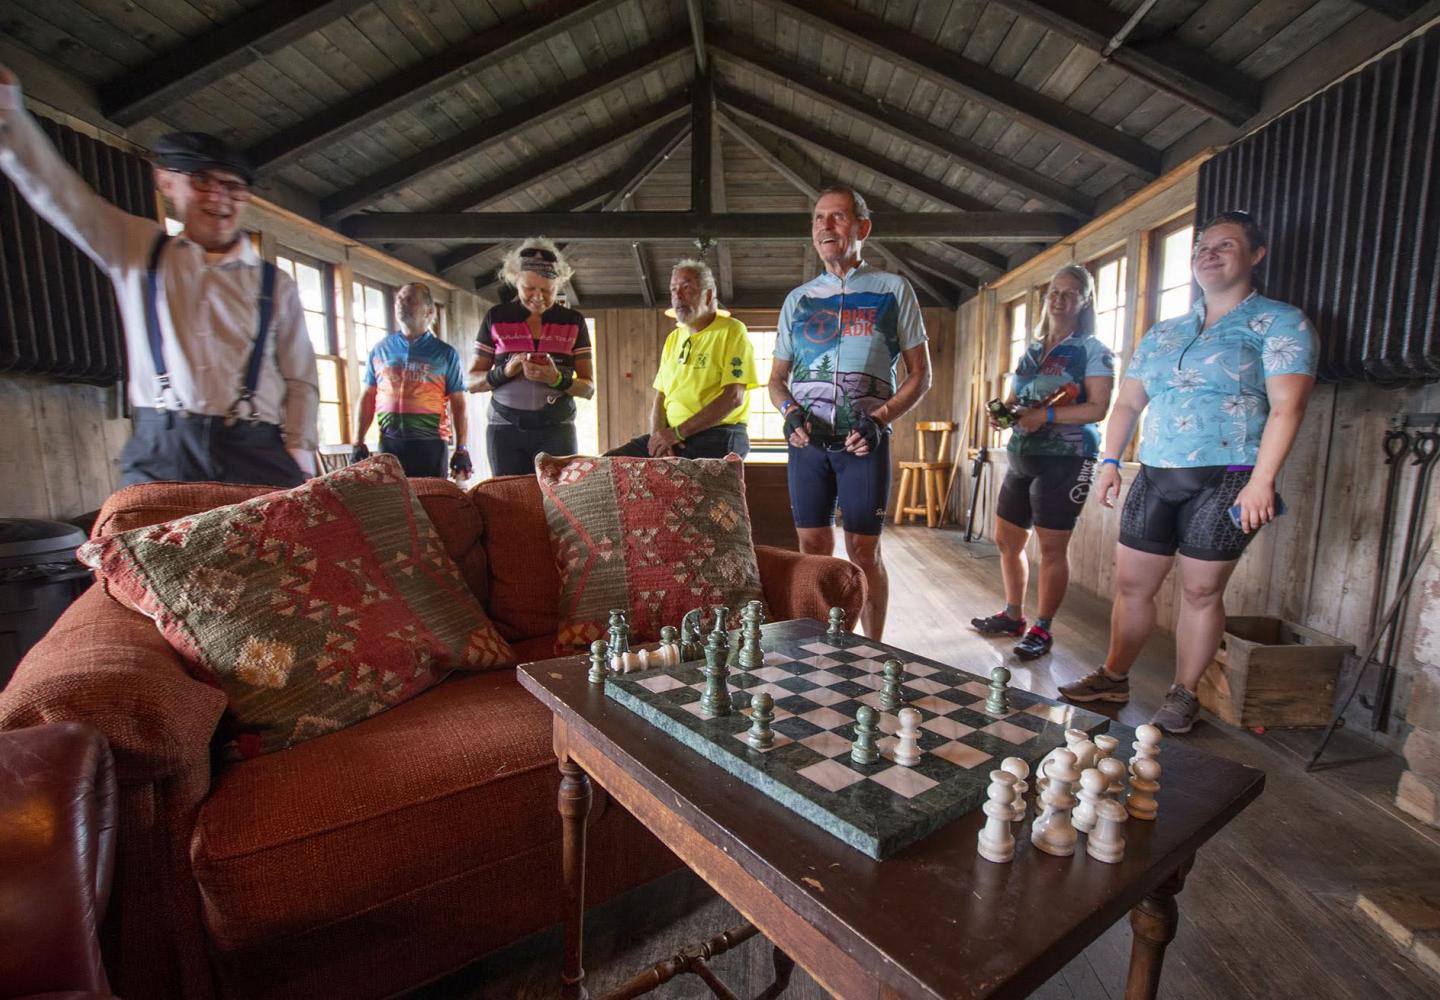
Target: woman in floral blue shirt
[(1225, 387)]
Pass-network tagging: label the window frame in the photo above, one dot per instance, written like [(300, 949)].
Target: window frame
[(1126, 308), (335, 355), (1153, 287), (758, 409)]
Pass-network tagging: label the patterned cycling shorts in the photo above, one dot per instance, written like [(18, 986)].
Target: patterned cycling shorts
[(1185, 509)]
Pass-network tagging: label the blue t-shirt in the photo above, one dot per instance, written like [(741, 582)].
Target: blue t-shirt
[(842, 339), (413, 383), (1206, 388), (1038, 376)]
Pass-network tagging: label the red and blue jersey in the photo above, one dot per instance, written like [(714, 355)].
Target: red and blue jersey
[(563, 335), (413, 381)]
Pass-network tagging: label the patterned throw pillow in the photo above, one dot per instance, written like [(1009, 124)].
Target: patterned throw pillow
[(311, 609), (655, 536)]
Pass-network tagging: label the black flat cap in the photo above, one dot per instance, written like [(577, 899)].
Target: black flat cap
[(192, 151)]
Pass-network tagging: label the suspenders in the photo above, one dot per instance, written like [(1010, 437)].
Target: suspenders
[(257, 349)]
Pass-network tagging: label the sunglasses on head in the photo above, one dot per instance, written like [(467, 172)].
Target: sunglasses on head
[(548, 256)]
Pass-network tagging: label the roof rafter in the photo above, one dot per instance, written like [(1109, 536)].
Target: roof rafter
[(952, 71), (227, 48), (430, 76)]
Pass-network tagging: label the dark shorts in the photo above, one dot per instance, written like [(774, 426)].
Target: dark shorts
[(713, 442), (424, 457), (513, 449), (171, 445), (1185, 509), (821, 477), (1048, 491)]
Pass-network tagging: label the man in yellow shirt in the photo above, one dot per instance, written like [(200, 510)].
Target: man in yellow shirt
[(707, 370)]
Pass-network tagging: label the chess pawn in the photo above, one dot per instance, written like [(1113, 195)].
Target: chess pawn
[(1114, 772), (837, 623), (619, 632), (890, 691), (1105, 745), (907, 746), (1147, 744), (1073, 737), (1093, 784), (862, 749), (995, 702), (1053, 832), (1144, 783), (1107, 842), (670, 646), (996, 842), (1021, 771), (599, 654), (762, 713)]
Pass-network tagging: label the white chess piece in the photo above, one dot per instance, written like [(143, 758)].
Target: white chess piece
[(1053, 832), (642, 660), (1107, 842), (996, 842), (1085, 753), (1073, 739), (1147, 744), (617, 663), (1093, 784), (1144, 783), (1105, 746), (1114, 771), (1021, 770), (907, 746)]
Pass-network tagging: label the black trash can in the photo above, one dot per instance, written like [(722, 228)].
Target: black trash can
[(39, 577)]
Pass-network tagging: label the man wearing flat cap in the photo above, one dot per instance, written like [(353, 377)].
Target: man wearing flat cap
[(222, 376)]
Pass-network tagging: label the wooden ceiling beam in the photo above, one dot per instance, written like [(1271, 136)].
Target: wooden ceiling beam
[(952, 71), (778, 227), (1396, 10), (428, 77), (893, 121), (1187, 74), (501, 128), (697, 35), (724, 266), (225, 49)]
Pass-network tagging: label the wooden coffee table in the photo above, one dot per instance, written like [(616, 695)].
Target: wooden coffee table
[(934, 920)]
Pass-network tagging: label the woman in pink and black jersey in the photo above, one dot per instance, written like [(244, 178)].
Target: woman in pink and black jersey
[(533, 356)]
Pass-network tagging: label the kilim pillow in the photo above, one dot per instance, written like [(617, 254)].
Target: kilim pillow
[(311, 609), (656, 536)]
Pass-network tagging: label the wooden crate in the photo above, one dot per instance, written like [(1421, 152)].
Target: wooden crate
[(1270, 672)]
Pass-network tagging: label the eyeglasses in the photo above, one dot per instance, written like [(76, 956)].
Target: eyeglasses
[(548, 256), (207, 183)]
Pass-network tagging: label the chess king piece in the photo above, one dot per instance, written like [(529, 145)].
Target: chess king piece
[(762, 713), (996, 703), (599, 653), (1021, 771), (752, 657), (837, 623), (1107, 842), (1147, 744), (1144, 783), (996, 842), (716, 699), (1114, 771), (1093, 785), (890, 690), (862, 749), (907, 746), (1053, 832)]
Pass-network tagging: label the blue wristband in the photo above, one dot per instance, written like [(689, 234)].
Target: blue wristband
[(1049, 414), (1110, 461)]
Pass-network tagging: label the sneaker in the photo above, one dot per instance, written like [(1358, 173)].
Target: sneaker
[(1037, 643), (1001, 624), (1097, 686), (1178, 713)]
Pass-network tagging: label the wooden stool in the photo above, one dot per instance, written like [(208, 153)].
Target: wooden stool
[(932, 474)]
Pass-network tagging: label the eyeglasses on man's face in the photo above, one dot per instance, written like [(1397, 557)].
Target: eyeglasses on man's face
[(205, 182), (532, 253)]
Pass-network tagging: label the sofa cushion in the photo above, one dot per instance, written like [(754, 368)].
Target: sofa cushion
[(523, 583), (656, 537), (457, 779), (311, 608)]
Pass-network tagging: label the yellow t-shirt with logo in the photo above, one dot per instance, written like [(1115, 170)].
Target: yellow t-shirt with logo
[(695, 366)]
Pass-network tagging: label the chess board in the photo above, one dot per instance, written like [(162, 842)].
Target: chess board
[(818, 682)]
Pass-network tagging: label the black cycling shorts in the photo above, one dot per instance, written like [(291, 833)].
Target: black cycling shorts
[(821, 476), (1048, 491), (1185, 509)]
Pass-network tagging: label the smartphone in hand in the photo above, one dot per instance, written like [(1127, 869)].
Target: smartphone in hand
[(1235, 510)]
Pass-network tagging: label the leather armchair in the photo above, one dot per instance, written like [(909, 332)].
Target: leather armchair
[(57, 853)]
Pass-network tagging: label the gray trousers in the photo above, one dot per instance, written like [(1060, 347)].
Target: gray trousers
[(186, 447)]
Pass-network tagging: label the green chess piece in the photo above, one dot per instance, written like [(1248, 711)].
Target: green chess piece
[(837, 623), (751, 656), (619, 632), (762, 713), (996, 703), (890, 692), (716, 699), (599, 661), (862, 750)]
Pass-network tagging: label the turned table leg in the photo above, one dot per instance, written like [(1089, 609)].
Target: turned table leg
[(1154, 923), (574, 801)]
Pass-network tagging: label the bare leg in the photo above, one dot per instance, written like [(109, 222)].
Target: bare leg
[(1202, 617), (574, 802), (816, 541), (1054, 569), (864, 551), (1010, 539), (1154, 923), (1138, 576)]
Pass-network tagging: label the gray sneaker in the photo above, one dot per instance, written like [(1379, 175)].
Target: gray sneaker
[(1178, 713), (1097, 687)]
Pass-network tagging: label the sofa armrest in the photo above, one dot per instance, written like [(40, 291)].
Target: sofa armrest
[(108, 667), (801, 586)]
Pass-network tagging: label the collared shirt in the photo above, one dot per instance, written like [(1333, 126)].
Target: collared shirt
[(413, 383), (696, 365), (209, 312), (842, 338), (1206, 388), (1039, 375)]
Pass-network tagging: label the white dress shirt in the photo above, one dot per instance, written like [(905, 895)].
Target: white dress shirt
[(209, 309)]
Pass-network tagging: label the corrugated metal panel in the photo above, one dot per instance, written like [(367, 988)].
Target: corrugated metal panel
[(1345, 186), (57, 309)]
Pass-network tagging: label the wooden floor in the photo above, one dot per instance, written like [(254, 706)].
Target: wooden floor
[(1268, 910)]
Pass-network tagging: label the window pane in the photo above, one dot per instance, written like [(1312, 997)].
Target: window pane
[(1175, 258), (330, 423), (312, 295), (587, 420), (1175, 302), (285, 264), (375, 307), (329, 372), (319, 333)]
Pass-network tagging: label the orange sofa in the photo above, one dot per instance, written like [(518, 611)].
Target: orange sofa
[(372, 860)]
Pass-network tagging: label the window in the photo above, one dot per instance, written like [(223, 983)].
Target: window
[(765, 424), (1173, 289), (1110, 311), (1018, 315), (317, 300), (372, 304), (587, 420)]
